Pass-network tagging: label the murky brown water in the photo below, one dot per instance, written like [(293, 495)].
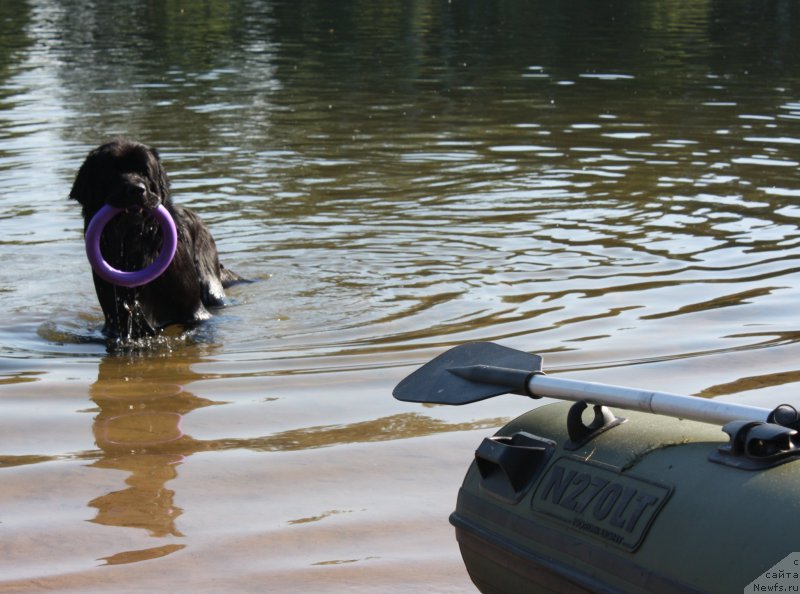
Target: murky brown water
[(612, 185)]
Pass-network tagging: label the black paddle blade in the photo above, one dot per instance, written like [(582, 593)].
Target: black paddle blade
[(468, 373)]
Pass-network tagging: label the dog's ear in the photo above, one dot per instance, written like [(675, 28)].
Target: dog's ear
[(82, 190), (159, 176)]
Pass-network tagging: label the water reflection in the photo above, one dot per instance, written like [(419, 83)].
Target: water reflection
[(142, 555), (138, 430), (141, 405)]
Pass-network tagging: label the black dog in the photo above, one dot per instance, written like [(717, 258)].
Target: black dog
[(129, 175)]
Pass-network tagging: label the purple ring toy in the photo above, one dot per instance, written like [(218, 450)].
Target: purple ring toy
[(169, 243)]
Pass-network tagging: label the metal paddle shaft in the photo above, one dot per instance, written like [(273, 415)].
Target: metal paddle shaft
[(480, 370), (659, 403)]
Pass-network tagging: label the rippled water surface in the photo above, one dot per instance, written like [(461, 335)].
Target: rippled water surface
[(611, 185)]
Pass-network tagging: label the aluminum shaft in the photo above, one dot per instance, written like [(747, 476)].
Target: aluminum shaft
[(660, 403)]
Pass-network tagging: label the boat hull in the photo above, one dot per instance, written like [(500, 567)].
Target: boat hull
[(645, 504)]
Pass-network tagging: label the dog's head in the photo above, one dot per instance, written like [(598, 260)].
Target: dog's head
[(122, 173)]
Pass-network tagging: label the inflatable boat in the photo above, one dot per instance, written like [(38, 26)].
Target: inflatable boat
[(583, 497)]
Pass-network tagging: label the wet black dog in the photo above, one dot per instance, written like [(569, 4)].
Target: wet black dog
[(129, 175)]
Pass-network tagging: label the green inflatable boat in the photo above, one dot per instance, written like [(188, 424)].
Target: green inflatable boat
[(582, 498)]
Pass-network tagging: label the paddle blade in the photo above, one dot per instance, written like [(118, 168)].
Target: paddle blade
[(468, 373)]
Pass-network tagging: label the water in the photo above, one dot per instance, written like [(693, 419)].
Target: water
[(611, 185)]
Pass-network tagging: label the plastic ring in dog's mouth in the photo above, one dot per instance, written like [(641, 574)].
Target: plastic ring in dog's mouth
[(135, 278)]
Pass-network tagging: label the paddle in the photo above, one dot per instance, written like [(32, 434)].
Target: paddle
[(480, 370)]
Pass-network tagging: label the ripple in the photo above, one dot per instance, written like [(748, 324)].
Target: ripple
[(764, 162), (521, 148), (382, 221), (772, 139), (608, 76), (627, 135)]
